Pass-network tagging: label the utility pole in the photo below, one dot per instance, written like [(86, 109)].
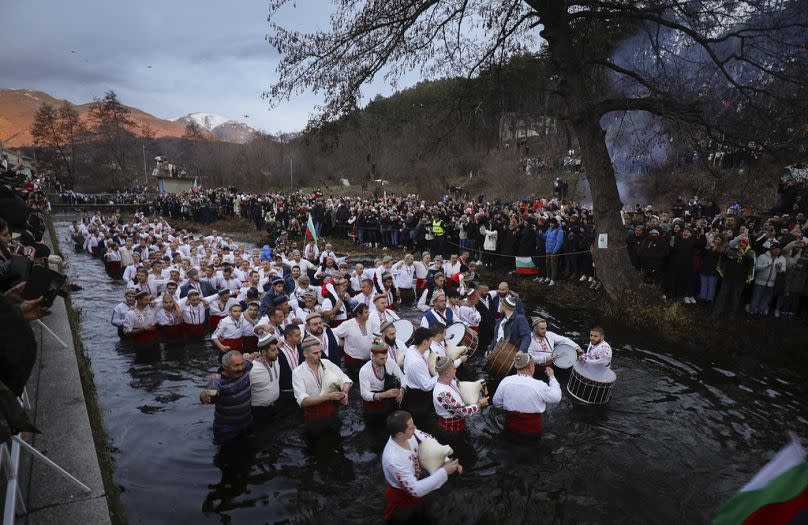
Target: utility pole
[(145, 173)]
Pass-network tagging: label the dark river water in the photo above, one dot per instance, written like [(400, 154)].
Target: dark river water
[(683, 432)]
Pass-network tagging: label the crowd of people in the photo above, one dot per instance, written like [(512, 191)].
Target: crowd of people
[(302, 327), (695, 251), (22, 205)]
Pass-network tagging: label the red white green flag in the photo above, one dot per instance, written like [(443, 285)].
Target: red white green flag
[(311, 233), (525, 266), (777, 495)]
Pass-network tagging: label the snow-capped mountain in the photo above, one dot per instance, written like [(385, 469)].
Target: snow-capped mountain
[(221, 127), (206, 121)]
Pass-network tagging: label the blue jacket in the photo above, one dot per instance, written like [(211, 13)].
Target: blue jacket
[(554, 240), (517, 331)]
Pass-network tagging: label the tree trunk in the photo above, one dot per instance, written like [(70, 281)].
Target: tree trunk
[(612, 264)]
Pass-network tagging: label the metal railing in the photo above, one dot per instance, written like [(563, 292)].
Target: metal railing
[(11, 452)]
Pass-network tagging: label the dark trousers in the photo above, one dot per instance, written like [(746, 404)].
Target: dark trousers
[(729, 298)]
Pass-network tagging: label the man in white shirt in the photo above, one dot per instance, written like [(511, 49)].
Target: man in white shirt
[(452, 411), (119, 312), (524, 399), (452, 268), (265, 378), (598, 352), (403, 278), (438, 314), (358, 337), (356, 278), (396, 348), (328, 252), (543, 341), (381, 382), (380, 313), (403, 472), (307, 379), (421, 272), (366, 294), (419, 381)]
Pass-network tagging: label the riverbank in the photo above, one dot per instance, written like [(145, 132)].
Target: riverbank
[(62, 407)]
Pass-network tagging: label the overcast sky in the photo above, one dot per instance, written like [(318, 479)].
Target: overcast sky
[(205, 55)]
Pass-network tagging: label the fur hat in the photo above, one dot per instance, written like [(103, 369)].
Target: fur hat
[(267, 339), (378, 346), (309, 341)]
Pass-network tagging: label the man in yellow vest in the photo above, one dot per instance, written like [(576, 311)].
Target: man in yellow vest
[(439, 234)]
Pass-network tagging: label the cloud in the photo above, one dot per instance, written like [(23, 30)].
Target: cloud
[(167, 57)]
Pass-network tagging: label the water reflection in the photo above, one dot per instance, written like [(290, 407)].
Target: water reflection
[(680, 422)]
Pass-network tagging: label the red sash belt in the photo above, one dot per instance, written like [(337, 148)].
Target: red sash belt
[(398, 499), (234, 344), (249, 343), (174, 331), (195, 330), (213, 321), (142, 337), (475, 328), (349, 359), (114, 268), (452, 424), (319, 412), (375, 406), (420, 284), (523, 422)]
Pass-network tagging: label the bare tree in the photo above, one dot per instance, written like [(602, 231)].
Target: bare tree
[(57, 133), (115, 132), (751, 51)]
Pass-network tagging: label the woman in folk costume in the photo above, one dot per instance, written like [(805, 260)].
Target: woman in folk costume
[(406, 480)]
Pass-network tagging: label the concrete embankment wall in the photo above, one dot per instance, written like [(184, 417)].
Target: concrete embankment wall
[(64, 408)]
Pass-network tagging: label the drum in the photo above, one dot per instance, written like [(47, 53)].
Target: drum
[(564, 355), (458, 334), (591, 384), (500, 361), (404, 330)]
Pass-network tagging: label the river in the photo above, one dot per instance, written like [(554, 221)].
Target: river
[(684, 430)]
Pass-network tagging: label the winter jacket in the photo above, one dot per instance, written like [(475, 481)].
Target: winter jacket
[(766, 269), (554, 240), (490, 242)]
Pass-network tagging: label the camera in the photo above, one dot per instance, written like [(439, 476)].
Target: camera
[(40, 281)]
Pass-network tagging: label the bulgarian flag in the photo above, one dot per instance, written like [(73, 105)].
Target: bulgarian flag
[(777, 495), (311, 233), (525, 266)]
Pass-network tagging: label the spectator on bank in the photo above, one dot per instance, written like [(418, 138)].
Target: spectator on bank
[(736, 267), (767, 268), (714, 248)]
